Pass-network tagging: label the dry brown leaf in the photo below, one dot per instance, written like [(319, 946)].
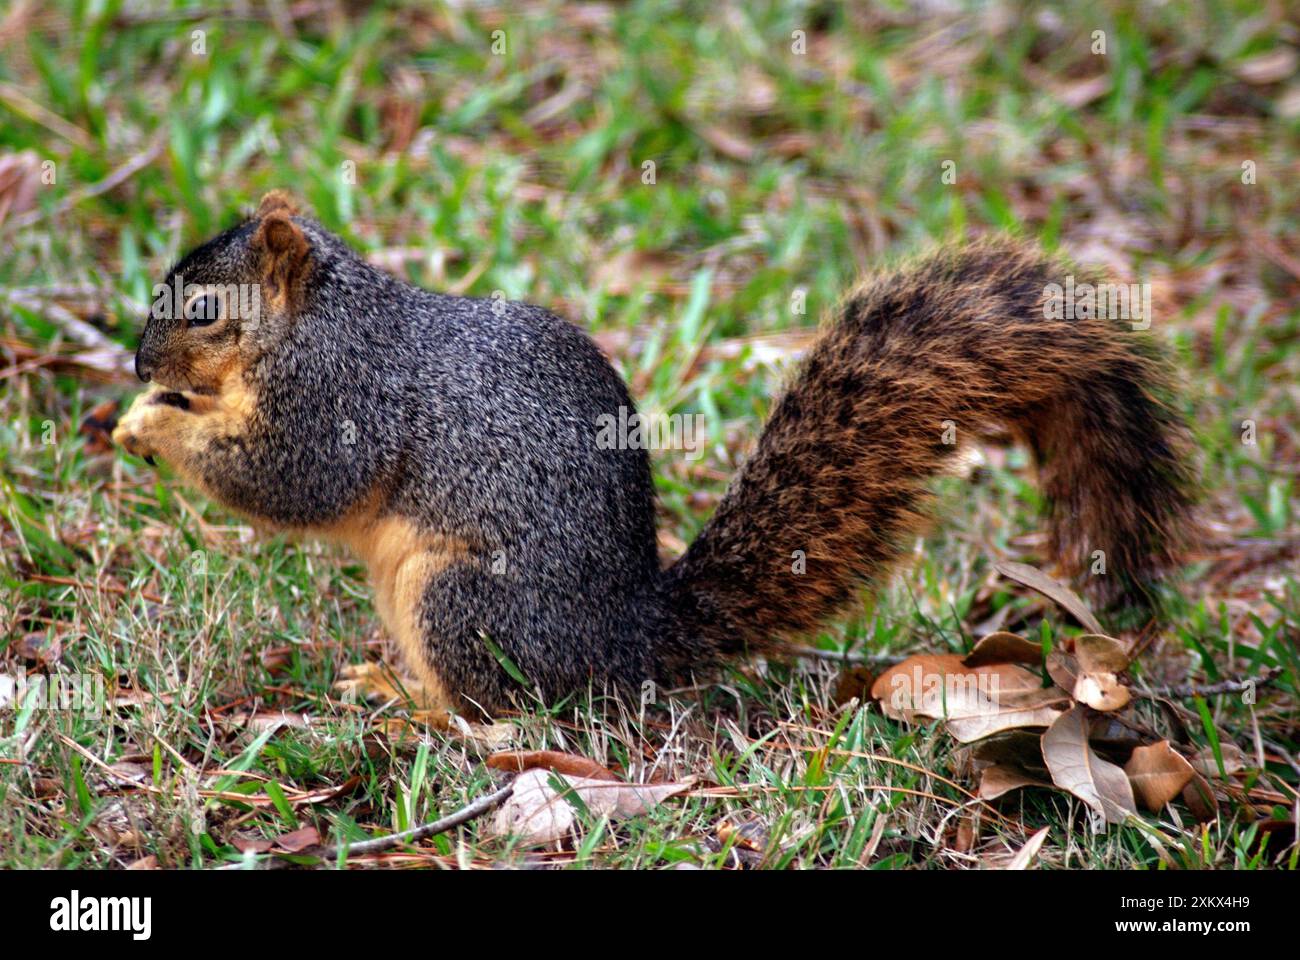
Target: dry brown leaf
[(1035, 579), (893, 683), (1015, 748), (1100, 660), (298, 840), (537, 813), (130, 772), (1063, 668), (262, 720), (1101, 691), (902, 688), (1004, 647), (999, 779), (976, 702), (1007, 716), (1097, 653), (517, 761), (1075, 767), (252, 844), (1025, 855), (1234, 760), (1158, 774), (1200, 798)]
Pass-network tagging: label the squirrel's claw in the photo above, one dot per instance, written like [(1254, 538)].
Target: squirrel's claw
[(376, 683), (367, 681), (128, 440)]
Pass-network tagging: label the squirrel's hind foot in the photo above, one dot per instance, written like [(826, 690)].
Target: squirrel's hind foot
[(377, 683)]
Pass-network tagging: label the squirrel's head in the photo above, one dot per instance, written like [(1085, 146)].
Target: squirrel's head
[(227, 302)]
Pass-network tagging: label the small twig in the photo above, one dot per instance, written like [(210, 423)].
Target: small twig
[(114, 588), (871, 659), (1235, 685), (25, 106), (80, 292), (233, 12), (76, 328), (1274, 252), (62, 292), (119, 176), (476, 809), (1285, 754), (27, 366)]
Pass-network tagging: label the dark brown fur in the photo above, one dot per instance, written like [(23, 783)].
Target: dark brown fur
[(842, 468)]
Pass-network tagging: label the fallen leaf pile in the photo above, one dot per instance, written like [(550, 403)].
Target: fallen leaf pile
[(1071, 731)]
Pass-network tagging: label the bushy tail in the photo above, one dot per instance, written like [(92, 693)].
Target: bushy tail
[(943, 350)]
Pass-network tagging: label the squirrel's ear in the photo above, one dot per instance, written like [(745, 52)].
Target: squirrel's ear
[(284, 250), (277, 200)]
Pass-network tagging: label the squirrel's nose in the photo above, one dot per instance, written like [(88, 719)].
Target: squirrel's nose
[(143, 368)]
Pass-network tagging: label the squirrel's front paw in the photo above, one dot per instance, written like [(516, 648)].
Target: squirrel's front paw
[(133, 445), (143, 429)]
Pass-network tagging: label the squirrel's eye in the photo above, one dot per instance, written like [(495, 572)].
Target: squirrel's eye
[(203, 310)]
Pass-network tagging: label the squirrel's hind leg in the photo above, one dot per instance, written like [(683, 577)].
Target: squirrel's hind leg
[(403, 561)]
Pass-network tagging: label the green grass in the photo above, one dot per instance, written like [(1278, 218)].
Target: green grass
[(774, 172)]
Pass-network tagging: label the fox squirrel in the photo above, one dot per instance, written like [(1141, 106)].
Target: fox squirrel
[(450, 442)]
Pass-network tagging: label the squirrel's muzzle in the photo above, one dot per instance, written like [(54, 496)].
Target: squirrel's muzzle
[(143, 367)]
